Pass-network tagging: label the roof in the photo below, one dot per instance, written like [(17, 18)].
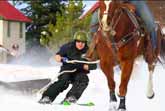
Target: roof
[(91, 10), (9, 12)]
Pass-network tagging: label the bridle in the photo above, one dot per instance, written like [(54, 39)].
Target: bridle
[(111, 27), (109, 31)]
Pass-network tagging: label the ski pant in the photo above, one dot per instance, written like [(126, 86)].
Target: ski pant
[(79, 83)]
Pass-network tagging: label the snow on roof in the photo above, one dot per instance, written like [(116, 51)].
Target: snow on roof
[(9, 12), (91, 10)]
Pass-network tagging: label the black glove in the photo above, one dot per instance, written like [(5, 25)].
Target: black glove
[(79, 66)]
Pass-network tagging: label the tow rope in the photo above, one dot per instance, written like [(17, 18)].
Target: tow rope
[(85, 62)]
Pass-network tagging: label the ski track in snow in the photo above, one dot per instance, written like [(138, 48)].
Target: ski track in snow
[(97, 91)]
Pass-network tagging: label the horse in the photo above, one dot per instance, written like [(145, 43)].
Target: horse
[(119, 41)]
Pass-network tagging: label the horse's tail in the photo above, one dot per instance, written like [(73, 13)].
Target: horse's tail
[(162, 50)]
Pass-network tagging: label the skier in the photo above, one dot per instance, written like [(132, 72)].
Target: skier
[(142, 10), (78, 78)]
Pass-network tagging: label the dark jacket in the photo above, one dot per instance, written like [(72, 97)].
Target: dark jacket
[(70, 51)]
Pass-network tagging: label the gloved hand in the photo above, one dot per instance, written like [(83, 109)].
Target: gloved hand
[(64, 59), (79, 66)]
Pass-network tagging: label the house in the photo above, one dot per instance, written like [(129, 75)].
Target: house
[(12, 29)]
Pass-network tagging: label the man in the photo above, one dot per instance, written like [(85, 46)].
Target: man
[(74, 73), (142, 10)]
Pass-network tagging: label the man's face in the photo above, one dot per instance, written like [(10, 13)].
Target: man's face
[(80, 44)]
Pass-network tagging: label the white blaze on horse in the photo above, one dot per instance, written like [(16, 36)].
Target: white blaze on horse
[(106, 27)]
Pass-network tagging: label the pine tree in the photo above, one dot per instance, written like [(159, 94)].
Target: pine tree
[(67, 24), (42, 12)]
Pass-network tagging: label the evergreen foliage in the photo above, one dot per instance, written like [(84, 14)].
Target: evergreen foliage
[(54, 21), (42, 12), (66, 25)]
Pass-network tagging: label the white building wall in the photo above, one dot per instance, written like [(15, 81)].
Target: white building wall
[(1, 31), (14, 36), (3, 55)]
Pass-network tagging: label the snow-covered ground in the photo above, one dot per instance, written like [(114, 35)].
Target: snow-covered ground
[(96, 92)]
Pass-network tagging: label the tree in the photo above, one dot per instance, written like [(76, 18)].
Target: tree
[(67, 24), (42, 12)]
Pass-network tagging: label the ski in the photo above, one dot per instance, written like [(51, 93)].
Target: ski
[(80, 104), (86, 104)]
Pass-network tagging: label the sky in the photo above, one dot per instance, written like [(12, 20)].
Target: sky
[(88, 3)]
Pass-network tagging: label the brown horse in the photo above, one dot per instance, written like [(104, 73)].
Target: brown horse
[(118, 42)]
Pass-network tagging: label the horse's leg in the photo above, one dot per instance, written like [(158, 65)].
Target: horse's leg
[(151, 58), (151, 64), (127, 67), (150, 92), (107, 68)]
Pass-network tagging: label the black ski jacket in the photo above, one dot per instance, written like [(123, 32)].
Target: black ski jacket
[(70, 51)]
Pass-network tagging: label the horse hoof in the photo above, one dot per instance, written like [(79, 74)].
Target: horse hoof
[(151, 97), (121, 109)]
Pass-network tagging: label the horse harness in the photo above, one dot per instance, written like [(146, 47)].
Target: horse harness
[(125, 39), (128, 37)]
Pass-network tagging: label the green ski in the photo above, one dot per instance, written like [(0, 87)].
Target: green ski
[(65, 103), (86, 104)]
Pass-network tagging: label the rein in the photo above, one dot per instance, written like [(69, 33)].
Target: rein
[(85, 62), (126, 38)]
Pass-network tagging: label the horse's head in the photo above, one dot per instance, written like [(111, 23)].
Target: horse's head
[(116, 19), (104, 17), (105, 14), (115, 25), (111, 13)]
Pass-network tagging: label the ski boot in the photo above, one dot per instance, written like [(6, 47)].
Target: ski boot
[(45, 100), (69, 100)]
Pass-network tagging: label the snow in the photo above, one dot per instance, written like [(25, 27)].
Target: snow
[(97, 91), (163, 30), (13, 73)]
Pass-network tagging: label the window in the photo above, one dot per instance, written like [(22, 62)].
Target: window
[(8, 28), (21, 29)]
